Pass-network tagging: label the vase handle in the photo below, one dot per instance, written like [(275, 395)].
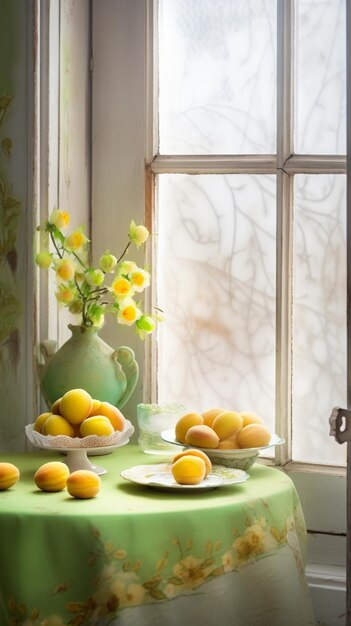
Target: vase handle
[(124, 359), (47, 349)]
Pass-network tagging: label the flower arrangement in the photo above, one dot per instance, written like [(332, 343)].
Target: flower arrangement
[(87, 290)]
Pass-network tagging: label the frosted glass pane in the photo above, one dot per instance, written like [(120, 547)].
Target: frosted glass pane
[(319, 336), (216, 284), (320, 77), (217, 76)]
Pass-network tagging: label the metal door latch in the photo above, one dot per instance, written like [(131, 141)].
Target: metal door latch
[(340, 424)]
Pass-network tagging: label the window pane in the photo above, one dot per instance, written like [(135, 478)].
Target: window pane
[(320, 77), (319, 334), (217, 73), (216, 284)]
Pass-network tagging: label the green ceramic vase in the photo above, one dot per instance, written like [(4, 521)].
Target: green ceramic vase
[(85, 361)]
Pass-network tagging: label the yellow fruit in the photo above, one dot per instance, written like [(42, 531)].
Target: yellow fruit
[(55, 408), (189, 470), (227, 424), (96, 404), (253, 436), (250, 418), (57, 425), (9, 475), (199, 453), (40, 421), (229, 444), (97, 425), (208, 416), (202, 436), (51, 476), (76, 405), (115, 416), (184, 423), (83, 484)]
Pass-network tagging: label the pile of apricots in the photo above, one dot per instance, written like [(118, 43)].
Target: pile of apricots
[(54, 476), (77, 414), (190, 467), (221, 429)]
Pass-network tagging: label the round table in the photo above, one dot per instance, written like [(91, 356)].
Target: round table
[(137, 556)]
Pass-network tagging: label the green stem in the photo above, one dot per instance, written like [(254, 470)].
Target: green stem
[(59, 252), (124, 252), (77, 257)]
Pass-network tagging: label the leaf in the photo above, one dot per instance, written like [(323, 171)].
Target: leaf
[(6, 146), (75, 607), (175, 581), (158, 595), (219, 571), (151, 584)]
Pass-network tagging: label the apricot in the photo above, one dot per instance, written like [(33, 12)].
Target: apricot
[(76, 405), (227, 424), (83, 484), (9, 475), (57, 425), (94, 409), (51, 476), (189, 470), (253, 436), (40, 421), (96, 425), (115, 416), (202, 436), (250, 418), (228, 444), (208, 416), (184, 423), (199, 453), (55, 408)]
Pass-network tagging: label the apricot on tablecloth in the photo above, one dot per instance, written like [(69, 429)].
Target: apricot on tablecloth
[(83, 484)]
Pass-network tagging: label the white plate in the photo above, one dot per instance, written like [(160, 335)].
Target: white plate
[(169, 436), (160, 476)]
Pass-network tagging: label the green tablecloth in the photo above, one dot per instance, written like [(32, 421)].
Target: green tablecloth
[(137, 556)]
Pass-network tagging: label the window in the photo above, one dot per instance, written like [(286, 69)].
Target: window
[(251, 196)]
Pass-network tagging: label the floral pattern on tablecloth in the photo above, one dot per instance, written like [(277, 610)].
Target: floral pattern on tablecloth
[(119, 583)]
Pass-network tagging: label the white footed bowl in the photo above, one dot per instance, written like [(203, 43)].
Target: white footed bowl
[(242, 458)]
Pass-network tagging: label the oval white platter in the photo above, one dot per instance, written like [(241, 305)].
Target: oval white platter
[(160, 476), (169, 436)]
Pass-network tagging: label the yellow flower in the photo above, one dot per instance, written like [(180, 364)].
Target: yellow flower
[(129, 312), (228, 561), (43, 260), (65, 269), (121, 287), (59, 218), (140, 279), (190, 571), (126, 267), (65, 294), (138, 234), (76, 240), (130, 594)]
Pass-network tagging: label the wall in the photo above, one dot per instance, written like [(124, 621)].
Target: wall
[(17, 316)]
